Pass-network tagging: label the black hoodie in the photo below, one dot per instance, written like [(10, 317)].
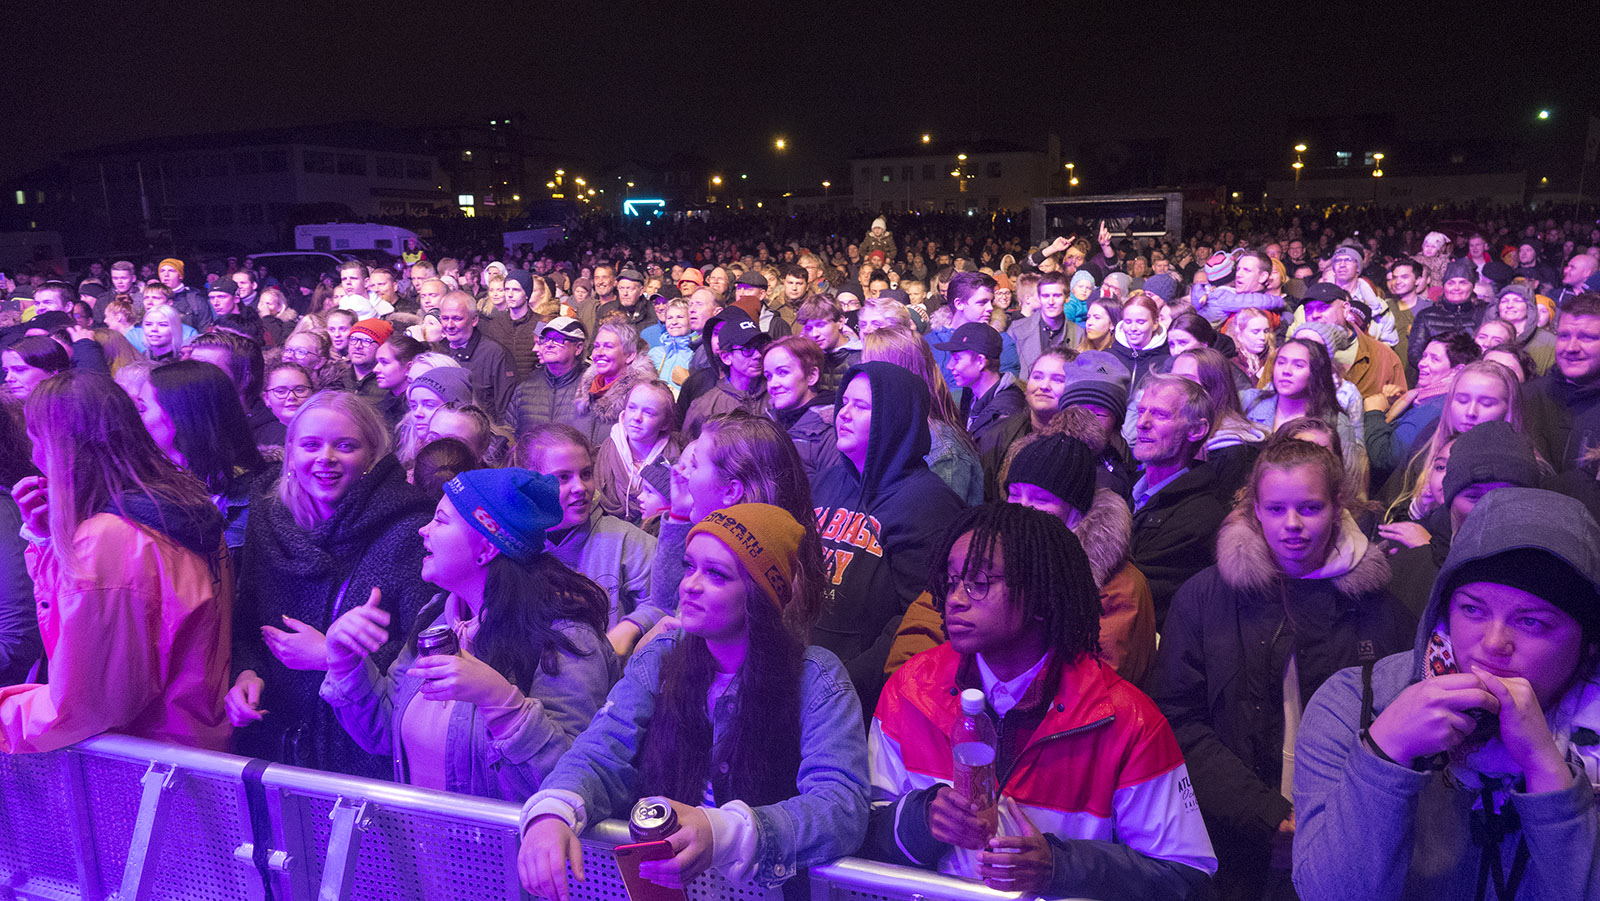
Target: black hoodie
[(877, 525)]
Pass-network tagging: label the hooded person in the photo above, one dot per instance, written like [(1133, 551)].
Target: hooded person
[(879, 511), (1297, 594), (1471, 757), (1486, 457)]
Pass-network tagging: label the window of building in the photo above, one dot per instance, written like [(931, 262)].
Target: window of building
[(250, 214), (274, 161), (1366, 158), (887, 173), (352, 164), (992, 170), (1342, 157), (390, 167), (22, 197), (907, 173), (419, 170), (319, 162), (246, 162), (928, 172)]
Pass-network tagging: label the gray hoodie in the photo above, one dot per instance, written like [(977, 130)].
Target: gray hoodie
[(1368, 828)]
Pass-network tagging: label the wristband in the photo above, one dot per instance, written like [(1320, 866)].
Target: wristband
[(1366, 739)]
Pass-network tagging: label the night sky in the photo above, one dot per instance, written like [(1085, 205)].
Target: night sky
[(612, 80)]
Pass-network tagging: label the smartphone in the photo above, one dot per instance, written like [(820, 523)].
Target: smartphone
[(639, 889)]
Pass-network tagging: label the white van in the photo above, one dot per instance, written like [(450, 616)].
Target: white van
[(337, 236)]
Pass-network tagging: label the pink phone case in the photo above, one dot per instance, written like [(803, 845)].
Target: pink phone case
[(639, 889)]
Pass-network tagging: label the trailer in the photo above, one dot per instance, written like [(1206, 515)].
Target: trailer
[(337, 236)]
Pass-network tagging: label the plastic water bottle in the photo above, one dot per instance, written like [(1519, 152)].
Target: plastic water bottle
[(974, 745)]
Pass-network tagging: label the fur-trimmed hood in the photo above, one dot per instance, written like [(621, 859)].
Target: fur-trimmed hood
[(1246, 563), (1106, 535), (609, 404)]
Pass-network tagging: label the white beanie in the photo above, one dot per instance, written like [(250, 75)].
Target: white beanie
[(879, 223)]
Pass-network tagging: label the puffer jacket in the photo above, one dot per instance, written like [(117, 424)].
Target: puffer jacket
[(810, 427), (137, 640), (1220, 669), (542, 398), (1369, 828), (371, 541), (1084, 756)]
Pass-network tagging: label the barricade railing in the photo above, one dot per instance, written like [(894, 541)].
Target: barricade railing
[(123, 818)]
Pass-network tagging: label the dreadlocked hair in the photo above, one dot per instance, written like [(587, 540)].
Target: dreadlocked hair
[(761, 749), (1046, 571)]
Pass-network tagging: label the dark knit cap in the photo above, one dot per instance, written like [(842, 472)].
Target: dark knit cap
[(1161, 285), (659, 476), (511, 507), (521, 277), (1061, 465), (1490, 452), (1102, 392), (1462, 268)]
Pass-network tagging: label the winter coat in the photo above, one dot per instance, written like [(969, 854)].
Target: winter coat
[(1140, 362), (1220, 670), (984, 414), (493, 372), (883, 242), (1127, 614), (1174, 533), (993, 446), (137, 641), (371, 541), (1376, 364), (810, 427), (1370, 828), (1574, 424), (1010, 360), (543, 398), (675, 352), (723, 398), (1540, 345), (877, 525), (1085, 757), (602, 409), (1438, 320), (501, 752)]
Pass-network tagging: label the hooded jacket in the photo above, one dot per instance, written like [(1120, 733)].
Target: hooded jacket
[(810, 427), (371, 541), (1127, 614), (877, 525), (1220, 670), (1139, 361), (1086, 758), (1369, 828), (138, 640)]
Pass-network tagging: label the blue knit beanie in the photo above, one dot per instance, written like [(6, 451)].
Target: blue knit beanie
[(1082, 276), (1161, 285), (511, 507)]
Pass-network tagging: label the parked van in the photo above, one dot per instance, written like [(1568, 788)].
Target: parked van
[(337, 236)]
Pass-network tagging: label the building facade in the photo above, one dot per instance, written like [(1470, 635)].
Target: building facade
[(951, 176)]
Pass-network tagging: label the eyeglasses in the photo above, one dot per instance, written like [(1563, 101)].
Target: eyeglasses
[(554, 338), (282, 392), (977, 585), (300, 353), (362, 341)]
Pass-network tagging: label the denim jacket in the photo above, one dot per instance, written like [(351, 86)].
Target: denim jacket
[(825, 820), (502, 753)]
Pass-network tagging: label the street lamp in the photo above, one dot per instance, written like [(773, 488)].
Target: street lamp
[(781, 144), (825, 186), (926, 139), (716, 180), (1299, 148), (1072, 176), (1544, 114), (962, 157)]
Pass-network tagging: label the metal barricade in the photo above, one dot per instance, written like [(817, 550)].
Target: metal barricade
[(122, 818)]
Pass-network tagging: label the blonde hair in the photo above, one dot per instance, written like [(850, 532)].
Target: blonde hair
[(907, 349), (1416, 476), (369, 424)]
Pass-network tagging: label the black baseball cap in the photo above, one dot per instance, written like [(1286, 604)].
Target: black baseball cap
[(975, 336)]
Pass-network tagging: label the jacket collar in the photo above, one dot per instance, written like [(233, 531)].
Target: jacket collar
[(1078, 693)]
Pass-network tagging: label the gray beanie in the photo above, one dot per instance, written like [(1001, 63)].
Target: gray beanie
[(452, 383), (1490, 452)]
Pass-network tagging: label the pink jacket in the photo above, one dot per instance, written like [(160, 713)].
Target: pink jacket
[(138, 644)]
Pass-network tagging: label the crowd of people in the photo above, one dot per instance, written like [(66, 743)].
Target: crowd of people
[(1272, 552)]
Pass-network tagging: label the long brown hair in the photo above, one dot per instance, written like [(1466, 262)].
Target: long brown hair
[(907, 349), (96, 452)]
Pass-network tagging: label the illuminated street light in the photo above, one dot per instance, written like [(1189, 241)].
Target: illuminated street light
[(580, 182), (516, 197), (962, 157), (744, 176), (630, 184), (591, 192), (551, 185), (716, 179), (1377, 173), (1073, 181), (1299, 148), (781, 144), (927, 139), (955, 173), (1298, 166), (561, 172), (1544, 114), (825, 186)]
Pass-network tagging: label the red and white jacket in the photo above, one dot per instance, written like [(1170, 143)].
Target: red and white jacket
[(1100, 774)]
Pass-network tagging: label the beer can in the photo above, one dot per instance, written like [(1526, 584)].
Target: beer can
[(438, 640), (652, 820)]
